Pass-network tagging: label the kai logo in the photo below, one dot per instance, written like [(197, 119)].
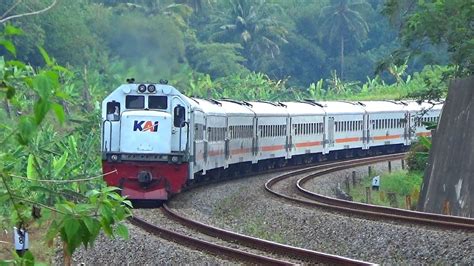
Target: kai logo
[(145, 126)]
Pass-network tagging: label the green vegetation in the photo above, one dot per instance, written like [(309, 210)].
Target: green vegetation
[(59, 58), (417, 158), (48, 180), (402, 183)]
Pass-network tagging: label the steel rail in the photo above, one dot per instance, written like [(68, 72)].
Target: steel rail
[(204, 245), (318, 200), (455, 222), (307, 255)]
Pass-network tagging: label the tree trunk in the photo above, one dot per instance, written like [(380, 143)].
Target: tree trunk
[(342, 57), (86, 96), (6, 106)]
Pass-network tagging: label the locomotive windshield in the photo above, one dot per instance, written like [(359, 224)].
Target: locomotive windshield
[(134, 102), (157, 102)]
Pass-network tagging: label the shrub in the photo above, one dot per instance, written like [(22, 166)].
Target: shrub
[(417, 157)]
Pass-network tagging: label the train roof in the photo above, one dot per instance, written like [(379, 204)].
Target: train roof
[(416, 106), (342, 107), (210, 106), (264, 108), (383, 106), (304, 108), (236, 107)]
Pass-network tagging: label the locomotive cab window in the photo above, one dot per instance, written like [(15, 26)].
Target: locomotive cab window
[(135, 102), (113, 111), (157, 102), (179, 116)]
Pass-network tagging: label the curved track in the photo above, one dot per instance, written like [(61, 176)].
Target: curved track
[(275, 253), (368, 210)]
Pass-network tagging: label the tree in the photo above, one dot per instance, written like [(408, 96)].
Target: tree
[(448, 23), (253, 24), (340, 22), (45, 176), (216, 59)]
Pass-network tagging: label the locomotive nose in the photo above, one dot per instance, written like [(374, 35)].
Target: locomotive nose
[(144, 178)]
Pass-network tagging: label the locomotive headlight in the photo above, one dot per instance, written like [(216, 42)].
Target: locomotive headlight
[(114, 157), (174, 159), (142, 88), (151, 88)]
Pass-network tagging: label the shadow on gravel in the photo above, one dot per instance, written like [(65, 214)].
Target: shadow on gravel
[(147, 204)]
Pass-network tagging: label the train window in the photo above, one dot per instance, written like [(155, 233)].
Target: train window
[(134, 102), (157, 102), (179, 116), (113, 111)]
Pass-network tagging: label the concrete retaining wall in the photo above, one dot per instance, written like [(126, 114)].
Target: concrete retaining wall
[(448, 185)]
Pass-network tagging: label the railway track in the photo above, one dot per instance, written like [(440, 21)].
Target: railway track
[(372, 211), (266, 252)]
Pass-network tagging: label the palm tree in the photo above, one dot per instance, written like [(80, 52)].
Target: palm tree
[(253, 24), (340, 22)]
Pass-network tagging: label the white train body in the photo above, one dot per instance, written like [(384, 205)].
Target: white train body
[(155, 139)]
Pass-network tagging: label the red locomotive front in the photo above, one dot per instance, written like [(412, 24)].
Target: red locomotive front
[(144, 141)]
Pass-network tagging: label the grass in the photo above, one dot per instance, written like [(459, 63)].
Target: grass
[(37, 245), (401, 183)]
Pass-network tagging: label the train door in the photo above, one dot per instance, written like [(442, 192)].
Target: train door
[(255, 140), (331, 131), (180, 128), (289, 136), (411, 127), (227, 141), (406, 128), (366, 131), (206, 140)]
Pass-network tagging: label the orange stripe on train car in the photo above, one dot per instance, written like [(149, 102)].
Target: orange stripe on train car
[(215, 153), (273, 148), (308, 144), (347, 140), (425, 134), (387, 137), (240, 151)]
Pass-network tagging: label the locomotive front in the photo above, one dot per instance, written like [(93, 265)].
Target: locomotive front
[(145, 140)]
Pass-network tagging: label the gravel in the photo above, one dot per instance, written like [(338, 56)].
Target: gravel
[(326, 184), (243, 206), (141, 248)]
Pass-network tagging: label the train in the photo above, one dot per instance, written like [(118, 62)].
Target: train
[(155, 140)]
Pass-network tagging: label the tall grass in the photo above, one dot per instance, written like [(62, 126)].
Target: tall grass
[(402, 183)]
